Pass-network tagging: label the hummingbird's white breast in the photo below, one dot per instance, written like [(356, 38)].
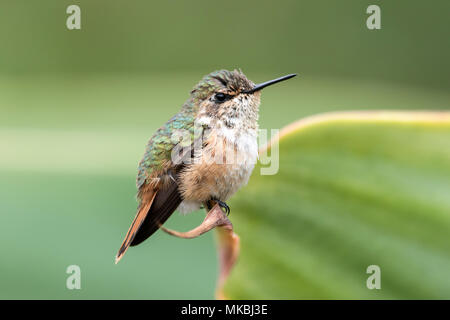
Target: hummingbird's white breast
[(224, 165)]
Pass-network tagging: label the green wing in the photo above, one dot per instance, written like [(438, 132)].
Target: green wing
[(160, 146)]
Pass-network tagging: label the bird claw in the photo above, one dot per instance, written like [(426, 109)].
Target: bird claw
[(224, 206)]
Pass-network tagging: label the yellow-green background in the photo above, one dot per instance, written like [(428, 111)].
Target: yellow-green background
[(77, 107)]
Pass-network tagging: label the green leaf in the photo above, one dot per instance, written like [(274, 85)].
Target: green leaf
[(353, 189)]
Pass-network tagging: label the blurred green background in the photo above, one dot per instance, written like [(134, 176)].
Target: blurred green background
[(77, 107)]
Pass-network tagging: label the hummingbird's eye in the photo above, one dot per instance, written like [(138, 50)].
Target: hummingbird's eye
[(220, 97)]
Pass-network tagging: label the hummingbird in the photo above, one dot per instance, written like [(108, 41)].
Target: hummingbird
[(201, 156)]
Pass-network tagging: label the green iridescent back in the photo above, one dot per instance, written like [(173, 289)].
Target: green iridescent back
[(160, 146)]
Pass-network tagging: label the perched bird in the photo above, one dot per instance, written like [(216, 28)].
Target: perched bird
[(202, 155)]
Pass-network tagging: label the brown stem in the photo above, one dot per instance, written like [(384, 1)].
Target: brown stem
[(215, 217), (227, 242), (228, 249)]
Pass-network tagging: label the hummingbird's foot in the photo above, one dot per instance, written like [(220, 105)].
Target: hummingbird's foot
[(215, 218)]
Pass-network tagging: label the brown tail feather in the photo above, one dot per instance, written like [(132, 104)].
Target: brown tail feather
[(144, 208), (165, 203)]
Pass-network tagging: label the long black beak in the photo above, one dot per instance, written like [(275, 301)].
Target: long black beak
[(270, 82)]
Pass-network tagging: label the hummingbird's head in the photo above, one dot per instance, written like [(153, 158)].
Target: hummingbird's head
[(229, 98)]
